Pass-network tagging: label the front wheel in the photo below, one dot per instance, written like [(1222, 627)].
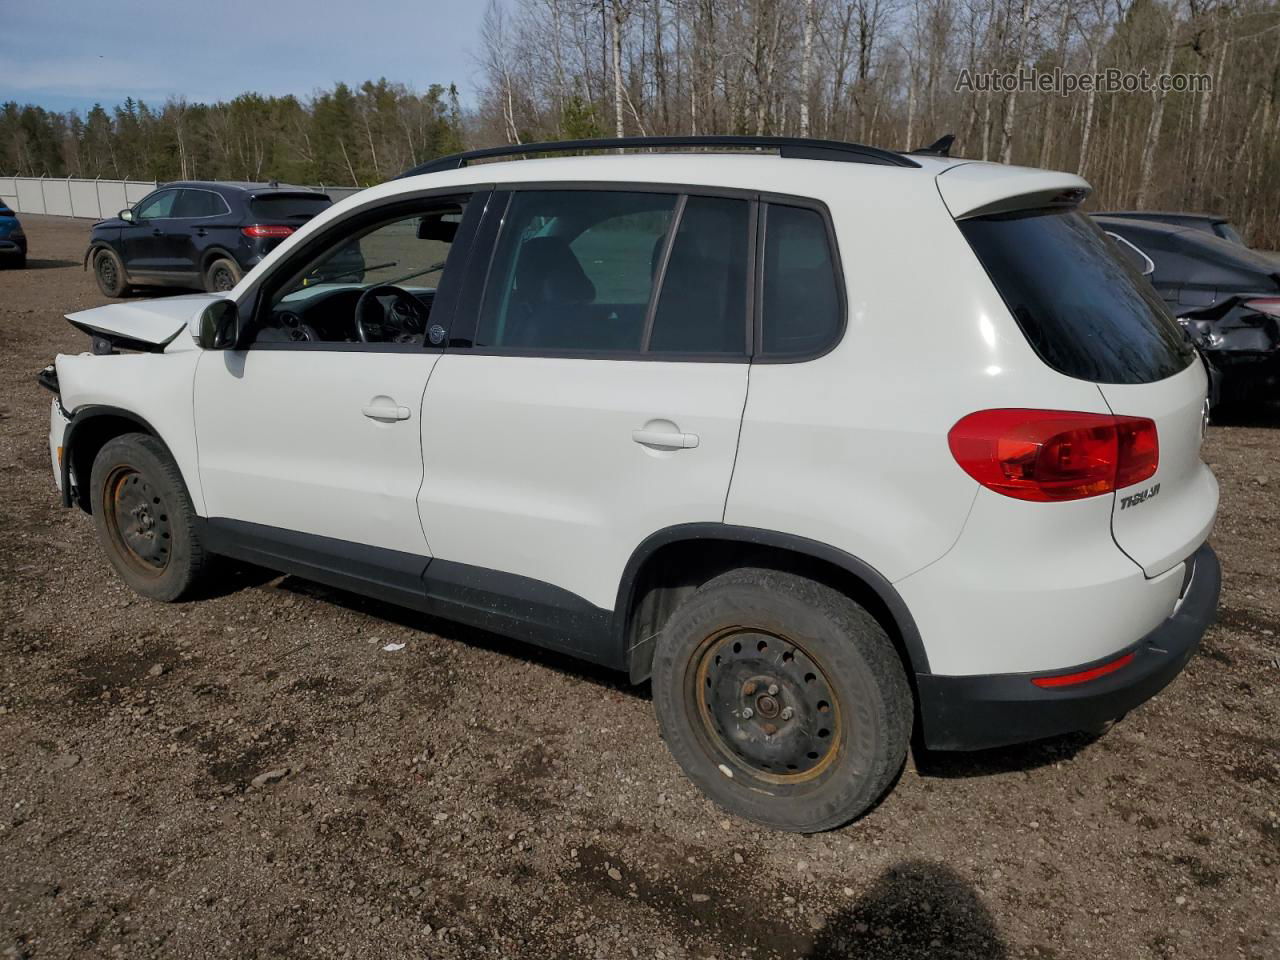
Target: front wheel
[(109, 272), (782, 699), (144, 518)]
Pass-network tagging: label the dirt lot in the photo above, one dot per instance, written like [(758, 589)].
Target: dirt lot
[(464, 797)]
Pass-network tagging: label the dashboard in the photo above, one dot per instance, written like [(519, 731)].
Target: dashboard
[(327, 313)]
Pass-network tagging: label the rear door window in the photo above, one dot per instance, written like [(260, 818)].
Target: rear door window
[(1088, 313), (703, 304), (288, 207), (801, 307), (574, 270), (196, 204)]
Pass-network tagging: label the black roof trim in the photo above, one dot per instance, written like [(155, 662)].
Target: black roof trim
[(790, 147)]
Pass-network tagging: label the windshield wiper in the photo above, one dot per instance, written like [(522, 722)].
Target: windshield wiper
[(418, 273), (360, 271)]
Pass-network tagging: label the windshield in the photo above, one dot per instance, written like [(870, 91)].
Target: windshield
[(1087, 311)]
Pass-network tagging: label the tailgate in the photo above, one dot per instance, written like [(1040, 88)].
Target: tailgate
[(1163, 520)]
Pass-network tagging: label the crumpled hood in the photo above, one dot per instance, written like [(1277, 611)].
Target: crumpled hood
[(142, 324)]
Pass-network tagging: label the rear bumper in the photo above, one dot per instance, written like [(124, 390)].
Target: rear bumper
[(976, 712)]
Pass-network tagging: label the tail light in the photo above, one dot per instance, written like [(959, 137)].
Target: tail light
[(1052, 455), (1268, 305), (264, 231)]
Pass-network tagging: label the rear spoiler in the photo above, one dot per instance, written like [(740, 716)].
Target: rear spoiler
[(983, 189)]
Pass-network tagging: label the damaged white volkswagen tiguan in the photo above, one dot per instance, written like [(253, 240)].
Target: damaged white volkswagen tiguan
[(830, 443)]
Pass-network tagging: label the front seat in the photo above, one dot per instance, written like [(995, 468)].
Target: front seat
[(551, 296)]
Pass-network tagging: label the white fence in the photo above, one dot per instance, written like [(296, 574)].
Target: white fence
[(95, 199)]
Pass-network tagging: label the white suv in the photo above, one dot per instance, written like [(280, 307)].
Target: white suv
[(828, 442)]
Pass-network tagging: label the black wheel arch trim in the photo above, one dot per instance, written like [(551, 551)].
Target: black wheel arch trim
[(213, 254), (77, 420), (638, 658)]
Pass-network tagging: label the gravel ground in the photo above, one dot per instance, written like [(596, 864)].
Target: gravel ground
[(252, 775)]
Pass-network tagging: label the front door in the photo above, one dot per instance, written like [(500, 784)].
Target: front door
[(599, 397), (146, 243), (310, 436)]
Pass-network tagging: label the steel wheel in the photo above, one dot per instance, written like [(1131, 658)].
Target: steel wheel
[(766, 706), (107, 272), (223, 280), (138, 520)]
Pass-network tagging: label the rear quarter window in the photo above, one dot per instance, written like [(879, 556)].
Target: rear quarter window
[(1085, 310), (801, 311)]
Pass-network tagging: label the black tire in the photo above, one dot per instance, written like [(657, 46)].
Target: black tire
[(223, 274), (144, 517), (717, 664), (109, 272)]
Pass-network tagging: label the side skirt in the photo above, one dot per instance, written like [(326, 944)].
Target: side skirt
[(504, 603)]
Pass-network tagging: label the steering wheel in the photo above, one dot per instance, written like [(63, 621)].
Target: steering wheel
[(402, 322)]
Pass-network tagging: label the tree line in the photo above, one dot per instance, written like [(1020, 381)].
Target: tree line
[(341, 136), (888, 72)]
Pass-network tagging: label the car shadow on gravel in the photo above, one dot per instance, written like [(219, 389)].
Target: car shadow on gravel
[(48, 264), (916, 909), (472, 636), (950, 765)]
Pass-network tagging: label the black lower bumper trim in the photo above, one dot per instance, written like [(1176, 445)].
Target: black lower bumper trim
[(973, 713)]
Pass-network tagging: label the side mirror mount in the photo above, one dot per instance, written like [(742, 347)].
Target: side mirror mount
[(219, 326), (126, 215)]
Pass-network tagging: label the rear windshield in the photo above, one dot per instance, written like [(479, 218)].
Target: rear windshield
[(285, 206), (1087, 311)]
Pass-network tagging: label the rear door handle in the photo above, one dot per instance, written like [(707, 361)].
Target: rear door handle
[(157, 232), (200, 232), (386, 412), (665, 439)]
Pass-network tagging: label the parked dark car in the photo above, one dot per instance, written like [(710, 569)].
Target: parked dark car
[(1208, 223), (197, 234), (13, 241), (1226, 297)]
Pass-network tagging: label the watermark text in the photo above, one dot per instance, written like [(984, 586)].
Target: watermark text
[(1065, 82)]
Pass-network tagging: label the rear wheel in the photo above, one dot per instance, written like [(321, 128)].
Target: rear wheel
[(222, 275), (782, 699), (144, 518), (109, 272)]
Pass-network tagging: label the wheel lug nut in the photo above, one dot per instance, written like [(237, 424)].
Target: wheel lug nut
[(747, 713), (787, 713), (773, 689)]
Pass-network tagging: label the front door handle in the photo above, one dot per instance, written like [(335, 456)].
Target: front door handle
[(665, 439), (157, 232), (386, 412)]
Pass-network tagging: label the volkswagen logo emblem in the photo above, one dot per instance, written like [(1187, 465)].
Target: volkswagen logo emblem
[(436, 334)]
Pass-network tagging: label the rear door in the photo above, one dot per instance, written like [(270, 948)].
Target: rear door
[(1091, 315), (195, 212), (598, 396)]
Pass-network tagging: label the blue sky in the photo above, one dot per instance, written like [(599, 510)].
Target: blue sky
[(67, 54)]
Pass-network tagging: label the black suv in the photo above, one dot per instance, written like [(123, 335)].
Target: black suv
[(196, 234)]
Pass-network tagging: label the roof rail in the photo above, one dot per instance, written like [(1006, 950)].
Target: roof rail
[(791, 147)]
